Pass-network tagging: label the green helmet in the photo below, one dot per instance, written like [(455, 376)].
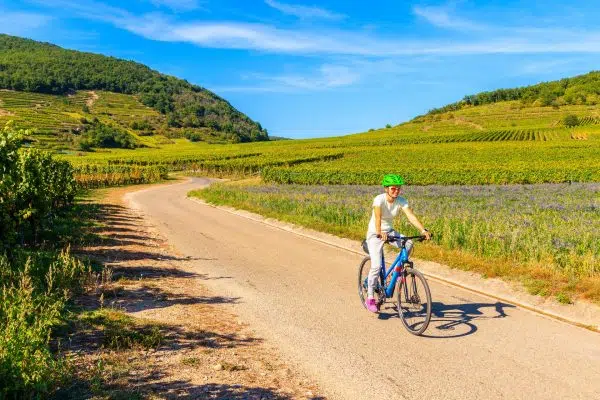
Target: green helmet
[(392, 180)]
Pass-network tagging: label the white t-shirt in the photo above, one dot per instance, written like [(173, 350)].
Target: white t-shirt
[(388, 212)]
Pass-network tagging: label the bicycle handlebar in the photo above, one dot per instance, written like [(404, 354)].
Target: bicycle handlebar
[(419, 238)]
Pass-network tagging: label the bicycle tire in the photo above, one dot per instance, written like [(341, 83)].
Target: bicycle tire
[(412, 310), (362, 289)]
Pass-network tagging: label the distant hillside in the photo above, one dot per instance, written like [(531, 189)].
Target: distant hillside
[(579, 90), (31, 66)]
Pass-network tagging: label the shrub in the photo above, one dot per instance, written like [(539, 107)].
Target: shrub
[(571, 120), (33, 295), (33, 186), (101, 135), (193, 136), (27, 366)]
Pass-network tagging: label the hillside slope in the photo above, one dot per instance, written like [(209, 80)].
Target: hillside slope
[(578, 90), (31, 66)]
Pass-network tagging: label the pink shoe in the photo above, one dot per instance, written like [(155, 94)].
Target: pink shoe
[(371, 305)]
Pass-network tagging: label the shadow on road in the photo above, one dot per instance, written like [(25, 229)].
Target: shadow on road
[(454, 320), (152, 297), (182, 389)]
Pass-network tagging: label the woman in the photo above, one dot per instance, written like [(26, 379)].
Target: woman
[(386, 207)]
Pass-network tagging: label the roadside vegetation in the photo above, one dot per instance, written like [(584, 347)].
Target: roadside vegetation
[(38, 275)]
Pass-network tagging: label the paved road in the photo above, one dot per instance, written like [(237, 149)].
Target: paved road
[(300, 295)]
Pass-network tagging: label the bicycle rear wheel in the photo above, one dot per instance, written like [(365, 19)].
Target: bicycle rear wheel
[(414, 301), (363, 273)]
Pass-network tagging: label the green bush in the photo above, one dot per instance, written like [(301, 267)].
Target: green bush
[(33, 295), (193, 136), (33, 187), (571, 120), (101, 135)]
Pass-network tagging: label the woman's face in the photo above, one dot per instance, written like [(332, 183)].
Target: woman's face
[(393, 191)]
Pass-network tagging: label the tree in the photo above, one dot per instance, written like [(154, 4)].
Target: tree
[(571, 120)]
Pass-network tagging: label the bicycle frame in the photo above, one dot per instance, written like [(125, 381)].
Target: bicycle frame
[(396, 270)]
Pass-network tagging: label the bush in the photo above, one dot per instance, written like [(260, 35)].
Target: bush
[(33, 186), (571, 120), (27, 366), (33, 295), (142, 125), (101, 135), (193, 136)]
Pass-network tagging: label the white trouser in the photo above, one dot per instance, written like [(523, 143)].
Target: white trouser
[(375, 246)]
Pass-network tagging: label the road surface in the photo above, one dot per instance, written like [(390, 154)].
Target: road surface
[(300, 295)]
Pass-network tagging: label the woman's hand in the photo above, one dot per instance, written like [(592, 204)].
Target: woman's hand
[(383, 236)]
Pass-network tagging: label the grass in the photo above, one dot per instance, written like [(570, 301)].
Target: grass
[(122, 332)]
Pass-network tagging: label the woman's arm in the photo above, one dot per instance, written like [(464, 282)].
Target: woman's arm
[(377, 211), (412, 218)]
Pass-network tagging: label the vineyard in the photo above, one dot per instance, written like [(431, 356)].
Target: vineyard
[(56, 122), (498, 143)]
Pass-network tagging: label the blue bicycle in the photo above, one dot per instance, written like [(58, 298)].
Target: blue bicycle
[(414, 296)]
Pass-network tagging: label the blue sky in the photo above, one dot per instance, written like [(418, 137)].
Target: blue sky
[(307, 69)]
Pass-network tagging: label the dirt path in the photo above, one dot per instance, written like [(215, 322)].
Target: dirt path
[(206, 352), (93, 97), (300, 295)]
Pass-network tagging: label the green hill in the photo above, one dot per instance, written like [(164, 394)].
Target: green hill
[(54, 88), (578, 90)]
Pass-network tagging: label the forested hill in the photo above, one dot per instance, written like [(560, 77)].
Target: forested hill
[(581, 89), (31, 66)]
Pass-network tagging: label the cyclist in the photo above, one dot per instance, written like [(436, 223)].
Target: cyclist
[(386, 206)]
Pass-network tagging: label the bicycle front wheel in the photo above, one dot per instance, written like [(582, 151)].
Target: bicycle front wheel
[(414, 301)]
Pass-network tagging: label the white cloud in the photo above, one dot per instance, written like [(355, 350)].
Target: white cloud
[(304, 11), (21, 23), (328, 76), (178, 5), (268, 38), (246, 36), (440, 17), (343, 73)]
